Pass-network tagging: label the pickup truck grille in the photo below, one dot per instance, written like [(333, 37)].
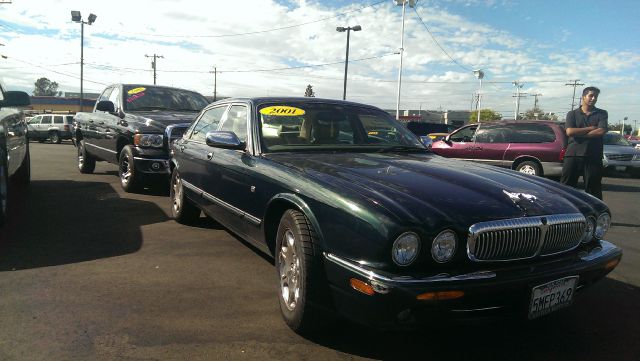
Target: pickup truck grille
[(521, 238)]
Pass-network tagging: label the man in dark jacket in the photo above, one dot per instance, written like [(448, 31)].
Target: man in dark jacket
[(585, 127)]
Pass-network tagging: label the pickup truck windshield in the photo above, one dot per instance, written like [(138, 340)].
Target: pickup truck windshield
[(139, 98), (293, 127)]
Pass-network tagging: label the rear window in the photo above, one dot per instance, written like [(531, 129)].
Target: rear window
[(57, 119)]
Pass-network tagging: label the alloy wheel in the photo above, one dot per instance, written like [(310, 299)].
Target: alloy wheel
[(289, 271)]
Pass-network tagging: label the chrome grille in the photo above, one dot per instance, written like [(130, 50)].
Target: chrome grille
[(623, 157), (521, 238)]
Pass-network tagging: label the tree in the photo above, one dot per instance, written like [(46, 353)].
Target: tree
[(537, 113), (485, 115), (45, 87), (309, 92)]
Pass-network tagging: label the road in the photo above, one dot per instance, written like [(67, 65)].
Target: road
[(93, 273)]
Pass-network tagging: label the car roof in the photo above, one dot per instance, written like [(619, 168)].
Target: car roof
[(269, 100)]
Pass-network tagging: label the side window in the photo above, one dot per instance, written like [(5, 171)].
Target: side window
[(57, 119), (34, 120), (208, 122), (115, 98), (46, 120), (532, 133), (105, 94), (236, 121), (69, 119), (464, 135), (492, 134)]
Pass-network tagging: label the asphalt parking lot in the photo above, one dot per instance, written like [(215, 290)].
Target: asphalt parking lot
[(88, 272)]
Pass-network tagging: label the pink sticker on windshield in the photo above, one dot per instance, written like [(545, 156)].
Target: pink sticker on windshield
[(134, 97)]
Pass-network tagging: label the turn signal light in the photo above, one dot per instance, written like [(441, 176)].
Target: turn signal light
[(440, 296), (362, 286), (612, 264)]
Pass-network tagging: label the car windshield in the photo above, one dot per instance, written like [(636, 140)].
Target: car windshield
[(615, 139), (300, 126), (160, 98)]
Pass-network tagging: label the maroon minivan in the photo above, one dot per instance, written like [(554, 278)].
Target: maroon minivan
[(529, 146)]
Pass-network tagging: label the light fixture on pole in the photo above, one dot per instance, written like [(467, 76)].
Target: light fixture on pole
[(346, 63), (479, 74), (77, 18), (412, 3)]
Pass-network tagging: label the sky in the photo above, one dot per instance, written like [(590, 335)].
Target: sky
[(278, 47)]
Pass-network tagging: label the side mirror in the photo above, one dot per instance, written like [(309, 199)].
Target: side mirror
[(226, 140), (447, 139), (105, 106), (15, 99)]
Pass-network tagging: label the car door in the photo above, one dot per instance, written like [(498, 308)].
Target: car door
[(108, 126), (32, 126), (192, 152), (93, 131), (459, 145), (44, 125), (490, 144), (231, 192)]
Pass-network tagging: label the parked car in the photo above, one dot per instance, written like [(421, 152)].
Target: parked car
[(15, 161), (132, 126), (620, 154), (425, 128), (55, 127), (382, 230), (532, 147)]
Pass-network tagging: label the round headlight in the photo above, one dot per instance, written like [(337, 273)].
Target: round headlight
[(602, 225), (444, 246), (588, 232), (405, 249)]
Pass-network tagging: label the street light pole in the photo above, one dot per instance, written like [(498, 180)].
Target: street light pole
[(412, 3), (77, 18), (479, 74), (346, 63)]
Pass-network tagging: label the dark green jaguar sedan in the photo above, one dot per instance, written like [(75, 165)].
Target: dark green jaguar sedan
[(378, 228)]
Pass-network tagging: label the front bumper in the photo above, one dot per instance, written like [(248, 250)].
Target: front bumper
[(627, 164), (151, 161), (394, 304)]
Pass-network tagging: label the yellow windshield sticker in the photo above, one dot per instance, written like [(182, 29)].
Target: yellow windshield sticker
[(136, 90), (282, 111)]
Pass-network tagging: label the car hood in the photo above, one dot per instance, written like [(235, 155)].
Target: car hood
[(428, 188), (620, 149), (158, 120)]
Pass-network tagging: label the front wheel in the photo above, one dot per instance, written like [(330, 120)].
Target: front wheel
[(296, 258), (130, 179), (86, 162), (23, 175), (529, 167), (54, 137), (182, 210), (4, 191)]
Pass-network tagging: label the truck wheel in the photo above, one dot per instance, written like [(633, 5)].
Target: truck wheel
[(296, 261), (54, 137), (182, 209), (130, 179), (529, 167), (86, 162), (4, 191)]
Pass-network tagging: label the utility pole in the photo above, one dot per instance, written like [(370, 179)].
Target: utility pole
[(574, 85), (535, 104), (153, 64), (518, 95), (215, 82)]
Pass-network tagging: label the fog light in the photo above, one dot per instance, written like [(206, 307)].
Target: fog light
[(440, 296), (361, 286)]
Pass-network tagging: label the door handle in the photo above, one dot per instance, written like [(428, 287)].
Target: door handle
[(101, 123), (90, 120), (209, 155), (181, 148)]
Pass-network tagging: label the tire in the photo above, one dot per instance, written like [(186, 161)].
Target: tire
[(4, 191), (86, 162), (22, 177), (529, 167), (130, 179), (54, 137), (296, 261), (182, 209)]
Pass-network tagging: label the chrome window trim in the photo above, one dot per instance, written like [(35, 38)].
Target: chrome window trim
[(237, 211), (543, 223)]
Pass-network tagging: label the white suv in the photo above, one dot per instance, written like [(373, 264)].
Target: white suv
[(54, 127)]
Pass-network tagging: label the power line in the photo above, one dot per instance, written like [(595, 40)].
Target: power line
[(259, 31), (56, 72), (574, 85)]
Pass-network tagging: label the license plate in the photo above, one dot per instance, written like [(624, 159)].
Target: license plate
[(621, 168), (552, 296)]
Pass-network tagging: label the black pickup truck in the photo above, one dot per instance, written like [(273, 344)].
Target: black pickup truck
[(15, 166), (132, 125)]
